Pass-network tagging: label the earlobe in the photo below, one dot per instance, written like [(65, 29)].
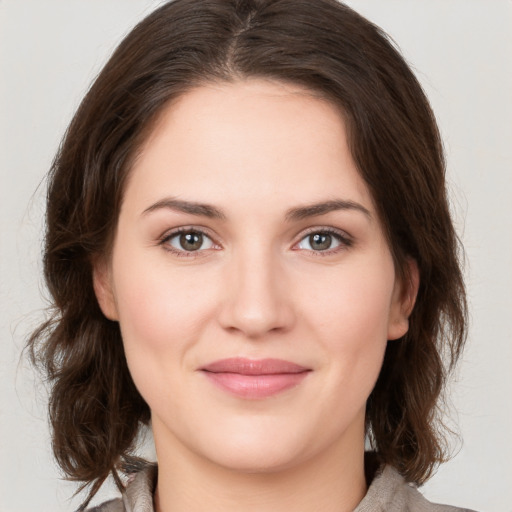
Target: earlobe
[(102, 283), (404, 298)]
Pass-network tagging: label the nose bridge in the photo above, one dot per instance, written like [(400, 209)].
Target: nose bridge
[(257, 301)]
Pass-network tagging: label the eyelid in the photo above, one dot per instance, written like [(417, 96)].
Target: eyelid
[(343, 237), (171, 233)]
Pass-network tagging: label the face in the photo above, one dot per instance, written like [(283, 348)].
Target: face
[(251, 279)]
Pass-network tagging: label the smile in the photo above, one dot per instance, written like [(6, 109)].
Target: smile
[(254, 379)]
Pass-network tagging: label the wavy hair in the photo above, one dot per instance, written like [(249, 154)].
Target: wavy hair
[(95, 410)]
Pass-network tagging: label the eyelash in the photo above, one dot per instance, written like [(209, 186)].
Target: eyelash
[(345, 241), (343, 238), (182, 253)]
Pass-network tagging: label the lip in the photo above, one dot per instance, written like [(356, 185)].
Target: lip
[(254, 378)]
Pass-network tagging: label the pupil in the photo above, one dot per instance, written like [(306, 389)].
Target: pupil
[(191, 241), (320, 241)]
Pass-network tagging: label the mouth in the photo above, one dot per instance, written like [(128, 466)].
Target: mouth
[(254, 378)]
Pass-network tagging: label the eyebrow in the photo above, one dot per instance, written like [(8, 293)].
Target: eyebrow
[(315, 209), (293, 214), (201, 209)]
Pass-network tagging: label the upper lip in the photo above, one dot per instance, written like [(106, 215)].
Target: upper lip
[(245, 366)]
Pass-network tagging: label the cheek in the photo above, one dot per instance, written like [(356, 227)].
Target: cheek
[(351, 320), (161, 316), (161, 310), (354, 301)]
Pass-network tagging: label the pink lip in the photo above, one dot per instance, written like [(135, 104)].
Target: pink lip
[(254, 378)]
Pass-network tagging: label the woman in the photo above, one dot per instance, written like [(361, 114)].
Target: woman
[(249, 248)]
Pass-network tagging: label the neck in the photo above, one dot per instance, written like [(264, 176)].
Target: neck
[(333, 481)]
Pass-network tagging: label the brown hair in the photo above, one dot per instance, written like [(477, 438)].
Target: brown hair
[(95, 409)]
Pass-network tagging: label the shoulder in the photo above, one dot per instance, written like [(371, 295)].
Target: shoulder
[(390, 491), (115, 505), (138, 495)]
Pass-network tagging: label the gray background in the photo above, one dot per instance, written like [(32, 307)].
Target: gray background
[(50, 50)]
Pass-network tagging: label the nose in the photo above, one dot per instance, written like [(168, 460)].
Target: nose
[(257, 300)]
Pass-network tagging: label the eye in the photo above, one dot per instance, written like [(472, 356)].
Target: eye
[(324, 241), (186, 241)]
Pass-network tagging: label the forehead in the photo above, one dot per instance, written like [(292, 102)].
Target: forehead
[(237, 142)]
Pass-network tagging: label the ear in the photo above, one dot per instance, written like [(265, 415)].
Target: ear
[(103, 288), (404, 298)]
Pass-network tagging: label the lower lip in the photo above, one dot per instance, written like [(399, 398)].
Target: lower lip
[(255, 386)]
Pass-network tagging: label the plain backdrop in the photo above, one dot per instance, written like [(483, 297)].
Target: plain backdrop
[(461, 50)]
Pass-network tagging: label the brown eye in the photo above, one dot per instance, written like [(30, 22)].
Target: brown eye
[(320, 241), (189, 241), (324, 241)]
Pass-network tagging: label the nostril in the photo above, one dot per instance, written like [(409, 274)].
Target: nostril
[(256, 322)]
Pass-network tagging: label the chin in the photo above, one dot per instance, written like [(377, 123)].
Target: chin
[(256, 461), (260, 448)]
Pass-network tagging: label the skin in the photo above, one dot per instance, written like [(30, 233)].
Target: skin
[(256, 288)]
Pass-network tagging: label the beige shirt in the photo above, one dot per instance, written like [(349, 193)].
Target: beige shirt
[(388, 492)]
